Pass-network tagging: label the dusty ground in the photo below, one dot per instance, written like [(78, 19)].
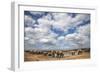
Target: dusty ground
[(39, 57)]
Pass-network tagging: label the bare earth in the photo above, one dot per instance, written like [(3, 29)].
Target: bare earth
[(40, 57)]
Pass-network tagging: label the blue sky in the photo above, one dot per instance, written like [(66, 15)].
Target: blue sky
[(56, 30)]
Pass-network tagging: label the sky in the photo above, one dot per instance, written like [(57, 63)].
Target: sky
[(56, 30)]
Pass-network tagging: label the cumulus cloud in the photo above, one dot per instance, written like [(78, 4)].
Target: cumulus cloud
[(61, 20), (85, 30), (52, 31), (79, 40), (29, 21)]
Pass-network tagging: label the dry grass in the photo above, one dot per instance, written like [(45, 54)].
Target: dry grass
[(40, 57)]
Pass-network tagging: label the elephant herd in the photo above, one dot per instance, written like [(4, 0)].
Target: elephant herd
[(55, 54), (62, 54), (58, 53)]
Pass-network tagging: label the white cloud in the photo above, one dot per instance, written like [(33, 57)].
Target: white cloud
[(61, 21), (81, 17), (29, 29), (43, 34), (59, 16), (81, 38), (85, 30), (26, 38), (29, 21), (61, 38), (44, 40), (39, 35), (44, 22), (48, 16)]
